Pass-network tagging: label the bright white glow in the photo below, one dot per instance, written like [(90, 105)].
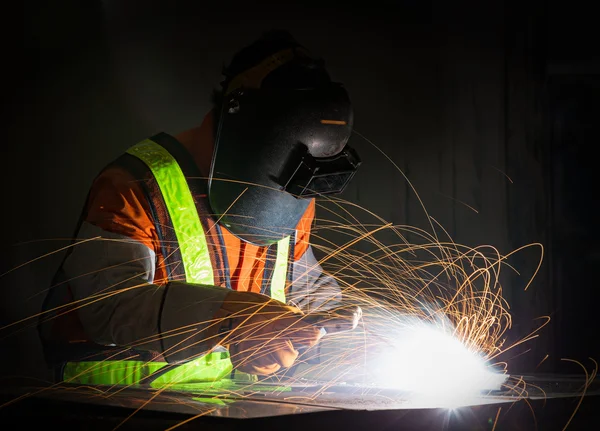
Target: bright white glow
[(434, 366)]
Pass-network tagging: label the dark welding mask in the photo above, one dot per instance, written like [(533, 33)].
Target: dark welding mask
[(277, 147)]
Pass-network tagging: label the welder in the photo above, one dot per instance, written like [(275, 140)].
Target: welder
[(196, 247)]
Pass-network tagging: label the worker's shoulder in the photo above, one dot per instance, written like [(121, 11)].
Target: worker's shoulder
[(116, 175), (116, 189)]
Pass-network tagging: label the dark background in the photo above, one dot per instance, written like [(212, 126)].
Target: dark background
[(492, 104)]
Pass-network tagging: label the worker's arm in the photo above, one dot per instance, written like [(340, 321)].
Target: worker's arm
[(112, 272), (113, 275), (312, 288)]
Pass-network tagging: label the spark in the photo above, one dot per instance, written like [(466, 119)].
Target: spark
[(460, 202), (542, 361), (496, 420), (503, 173), (190, 419), (589, 378)]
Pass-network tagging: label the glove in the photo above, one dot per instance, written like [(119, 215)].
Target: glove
[(262, 334)]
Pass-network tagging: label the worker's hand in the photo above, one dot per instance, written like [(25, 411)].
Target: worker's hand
[(263, 334)]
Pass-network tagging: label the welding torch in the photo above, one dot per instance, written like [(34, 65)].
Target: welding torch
[(341, 319)]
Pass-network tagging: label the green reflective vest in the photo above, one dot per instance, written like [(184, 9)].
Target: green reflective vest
[(181, 222)]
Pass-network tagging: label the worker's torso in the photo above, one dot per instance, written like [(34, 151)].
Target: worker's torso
[(183, 241), (144, 216)]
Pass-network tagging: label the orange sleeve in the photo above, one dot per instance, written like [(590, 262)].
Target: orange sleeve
[(303, 228), (117, 204)]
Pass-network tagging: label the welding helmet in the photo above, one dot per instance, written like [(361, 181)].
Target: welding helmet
[(281, 140)]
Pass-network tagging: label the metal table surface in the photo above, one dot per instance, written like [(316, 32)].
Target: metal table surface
[(552, 399)]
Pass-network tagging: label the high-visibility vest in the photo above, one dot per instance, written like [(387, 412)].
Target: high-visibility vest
[(184, 226)]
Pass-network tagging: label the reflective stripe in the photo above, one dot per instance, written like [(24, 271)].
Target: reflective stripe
[(182, 209), (280, 270), (109, 372), (210, 367)]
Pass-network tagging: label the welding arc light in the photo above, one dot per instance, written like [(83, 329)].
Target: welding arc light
[(431, 362)]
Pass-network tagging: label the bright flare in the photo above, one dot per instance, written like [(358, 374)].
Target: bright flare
[(431, 363)]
